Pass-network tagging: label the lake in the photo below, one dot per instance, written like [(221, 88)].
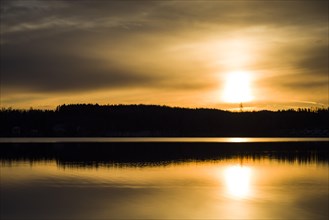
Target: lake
[(174, 179), (161, 139)]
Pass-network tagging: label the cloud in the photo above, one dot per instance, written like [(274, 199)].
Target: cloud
[(315, 60), (68, 46), (158, 15), (69, 62), (37, 67)]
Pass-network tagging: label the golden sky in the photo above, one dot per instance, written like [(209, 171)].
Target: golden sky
[(216, 54)]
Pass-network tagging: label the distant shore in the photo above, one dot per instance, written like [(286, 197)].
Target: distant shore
[(86, 120)]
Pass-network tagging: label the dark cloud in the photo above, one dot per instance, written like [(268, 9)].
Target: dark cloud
[(314, 61), (22, 16), (302, 85), (162, 15), (36, 67), (62, 63)]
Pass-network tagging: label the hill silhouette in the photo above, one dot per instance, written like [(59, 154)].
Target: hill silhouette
[(86, 120)]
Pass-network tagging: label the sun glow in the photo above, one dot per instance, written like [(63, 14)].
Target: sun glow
[(237, 88), (237, 180)]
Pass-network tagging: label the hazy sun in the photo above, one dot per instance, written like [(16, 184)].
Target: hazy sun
[(237, 87)]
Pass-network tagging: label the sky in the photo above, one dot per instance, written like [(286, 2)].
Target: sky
[(176, 53)]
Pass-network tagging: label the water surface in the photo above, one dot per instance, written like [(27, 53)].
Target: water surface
[(162, 139), (232, 179), (238, 188)]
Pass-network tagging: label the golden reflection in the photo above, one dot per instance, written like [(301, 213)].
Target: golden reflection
[(238, 140), (237, 181)]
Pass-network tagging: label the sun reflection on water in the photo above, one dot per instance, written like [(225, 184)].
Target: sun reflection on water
[(238, 140), (237, 179)]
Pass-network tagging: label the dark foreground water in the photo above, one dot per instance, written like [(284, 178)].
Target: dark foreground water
[(267, 180)]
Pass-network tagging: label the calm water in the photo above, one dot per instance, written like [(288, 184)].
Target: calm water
[(157, 139), (232, 187)]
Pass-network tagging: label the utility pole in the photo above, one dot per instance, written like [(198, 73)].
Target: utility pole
[(241, 107)]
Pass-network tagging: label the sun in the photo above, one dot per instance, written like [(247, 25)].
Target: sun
[(237, 87)]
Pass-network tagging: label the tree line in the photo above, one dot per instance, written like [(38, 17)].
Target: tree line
[(77, 120)]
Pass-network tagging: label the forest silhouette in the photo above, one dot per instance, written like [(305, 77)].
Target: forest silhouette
[(93, 120)]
